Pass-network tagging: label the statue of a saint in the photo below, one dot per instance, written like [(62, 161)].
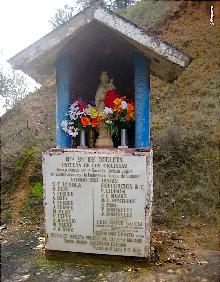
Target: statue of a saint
[(104, 139)]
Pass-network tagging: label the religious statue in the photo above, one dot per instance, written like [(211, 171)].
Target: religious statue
[(104, 139)]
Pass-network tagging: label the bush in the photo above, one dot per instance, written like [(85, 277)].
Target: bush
[(147, 13), (185, 175), (37, 191)]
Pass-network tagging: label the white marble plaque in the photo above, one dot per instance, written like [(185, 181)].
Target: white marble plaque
[(98, 202)]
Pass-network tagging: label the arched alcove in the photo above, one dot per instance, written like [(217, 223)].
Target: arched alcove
[(98, 49)]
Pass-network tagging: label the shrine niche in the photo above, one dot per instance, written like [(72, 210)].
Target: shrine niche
[(97, 40), (98, 181)]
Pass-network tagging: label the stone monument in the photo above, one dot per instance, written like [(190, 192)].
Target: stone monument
[(98, 201)]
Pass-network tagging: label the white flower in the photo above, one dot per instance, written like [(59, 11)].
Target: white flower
[(123, 105), (108, 111), (109, 121), (64, 125), (72, 131), (73, 112)]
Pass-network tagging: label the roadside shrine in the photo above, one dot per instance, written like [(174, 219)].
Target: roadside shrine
[(98, 194)]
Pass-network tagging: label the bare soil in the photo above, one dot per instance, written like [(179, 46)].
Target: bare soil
[(18, 197)]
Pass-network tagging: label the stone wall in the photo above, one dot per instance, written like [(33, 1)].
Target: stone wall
[(29, 123)]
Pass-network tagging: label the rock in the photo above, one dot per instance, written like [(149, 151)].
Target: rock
[(154, 254), (181, 248), (24, 277), (2, 227), (181, 271), (170, 271), (179, 263), (174, 236), (39, 247), (159, 246), (41, 239), (202, 262)]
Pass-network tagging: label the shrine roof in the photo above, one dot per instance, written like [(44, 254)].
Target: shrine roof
[(38, 59)]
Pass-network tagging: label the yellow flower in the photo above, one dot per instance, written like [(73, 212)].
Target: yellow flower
[(92, 112)]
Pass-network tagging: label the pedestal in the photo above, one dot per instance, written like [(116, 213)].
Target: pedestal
[(104, 139), (104, 142), (98, 201)]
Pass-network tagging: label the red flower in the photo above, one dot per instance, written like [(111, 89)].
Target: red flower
[(82, 106), (95, 122), (110, 96)]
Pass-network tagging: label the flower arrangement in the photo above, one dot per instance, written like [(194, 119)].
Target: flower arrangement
[(80, 115), (118, 112)]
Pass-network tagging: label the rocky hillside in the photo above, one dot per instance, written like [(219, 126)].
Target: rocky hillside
[(185, 116), (183, 123), (30, 124)]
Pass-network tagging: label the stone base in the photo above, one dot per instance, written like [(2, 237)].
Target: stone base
[(115, 186), (104, 142)]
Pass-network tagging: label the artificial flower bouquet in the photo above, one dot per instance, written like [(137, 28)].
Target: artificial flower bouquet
[(80, 115), (118, 112)]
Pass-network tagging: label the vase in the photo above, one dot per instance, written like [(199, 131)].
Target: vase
[(82, 136), (123, 138)]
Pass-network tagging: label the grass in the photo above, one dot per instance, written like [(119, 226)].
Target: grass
[(6, 216), (33, 204)]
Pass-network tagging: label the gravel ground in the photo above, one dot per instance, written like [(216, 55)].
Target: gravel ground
[(24, 259)]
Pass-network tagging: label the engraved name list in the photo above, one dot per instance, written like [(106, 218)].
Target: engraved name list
[(96, 204)]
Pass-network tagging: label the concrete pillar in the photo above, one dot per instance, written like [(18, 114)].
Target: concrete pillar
[(63, 99), (142, 101)]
